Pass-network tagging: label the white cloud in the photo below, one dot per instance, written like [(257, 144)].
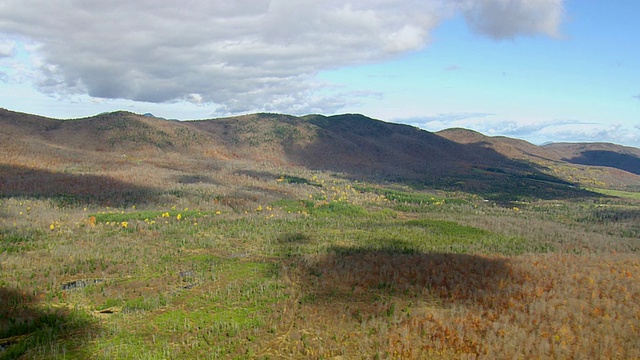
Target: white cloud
[(614, 133), (241, 55), (406, 39), (535, 130), (7, 48), (194, 98), (450, 120)]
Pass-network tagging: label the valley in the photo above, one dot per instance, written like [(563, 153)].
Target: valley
[(271, 236)]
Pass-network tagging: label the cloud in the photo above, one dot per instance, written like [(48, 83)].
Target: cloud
[(7, 48), (534, 130), (448, 120), (526, 129), (637, 97), (506, 19), (240, 55), (613, 133)]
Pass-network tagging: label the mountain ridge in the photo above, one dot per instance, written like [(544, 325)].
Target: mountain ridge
[(351, 144)]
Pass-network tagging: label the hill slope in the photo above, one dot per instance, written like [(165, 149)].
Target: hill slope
[(364, 148), (511, 148), (586, 164), (598, 154), (149, 151)]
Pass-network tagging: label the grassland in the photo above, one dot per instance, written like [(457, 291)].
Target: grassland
[(128, 237), (618, 193), (268, 264)]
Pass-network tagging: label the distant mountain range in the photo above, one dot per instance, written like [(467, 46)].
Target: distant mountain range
[(351, 145)]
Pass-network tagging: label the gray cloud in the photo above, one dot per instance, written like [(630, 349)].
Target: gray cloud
[(506, 19), (241, 55)]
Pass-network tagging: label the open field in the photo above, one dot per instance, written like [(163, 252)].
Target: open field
[(266, 263), (618, 193), (269, 236)]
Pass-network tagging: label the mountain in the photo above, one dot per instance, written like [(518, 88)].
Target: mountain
[(509, 147), (143, 150), (586, 164), (362, 148), (352, 144), (598, 154)]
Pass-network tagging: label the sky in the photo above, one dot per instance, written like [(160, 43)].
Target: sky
[(538, 70)]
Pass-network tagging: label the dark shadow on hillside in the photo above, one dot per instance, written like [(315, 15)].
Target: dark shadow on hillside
[(612, 159), (361, 274), (195, 179), (624, 222), (26, 325), (606, 215), (363, 148), (71, 189)]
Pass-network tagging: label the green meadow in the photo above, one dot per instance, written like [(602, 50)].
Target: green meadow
[(313, 266)]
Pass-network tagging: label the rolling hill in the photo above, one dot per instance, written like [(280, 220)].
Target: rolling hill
[(599, 154), (585, 164), (149, 152)]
